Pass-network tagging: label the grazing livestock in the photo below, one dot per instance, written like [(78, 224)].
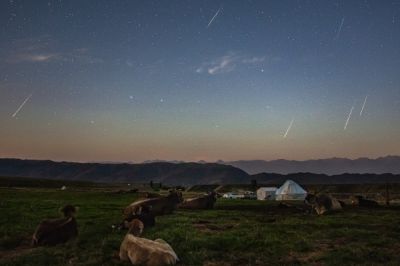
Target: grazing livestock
[(157, 206), (57, 231), (142, 251), (322, 203), (200, 203), (362, 202)]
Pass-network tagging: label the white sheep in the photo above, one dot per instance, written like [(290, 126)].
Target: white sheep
[(142, 251)]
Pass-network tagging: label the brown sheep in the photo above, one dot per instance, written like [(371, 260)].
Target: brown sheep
[(362, 202), (57, 231), (322, 203), (158, 206), (144, 214), (142, 251), (200, 203)]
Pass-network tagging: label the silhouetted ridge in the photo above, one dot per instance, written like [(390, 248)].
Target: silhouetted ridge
[(332, 166), (167, 173)]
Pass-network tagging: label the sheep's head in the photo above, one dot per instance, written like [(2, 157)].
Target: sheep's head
[(69, 210), (310, 199), (135, 227), (355, 200), (176, 196)]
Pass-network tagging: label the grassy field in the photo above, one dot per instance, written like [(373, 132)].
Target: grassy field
[(236, 232)]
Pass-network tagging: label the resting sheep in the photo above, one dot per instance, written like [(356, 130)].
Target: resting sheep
[(322, 203), (57, 231), (158, 206), (362, 202), (143, 214), (142, 251), (199, 203)]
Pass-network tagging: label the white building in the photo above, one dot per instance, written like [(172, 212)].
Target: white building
[(266, 193)]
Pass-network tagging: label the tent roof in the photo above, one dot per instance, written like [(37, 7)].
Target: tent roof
[(290, 187)]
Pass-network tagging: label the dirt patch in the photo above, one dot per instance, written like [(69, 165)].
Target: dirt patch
[(266, 220), (234, 261), (313, 257), (202, 222), (216, 263), (207, 226), (23, 248)]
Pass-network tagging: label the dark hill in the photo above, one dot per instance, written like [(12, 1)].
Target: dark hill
[(167, 173)]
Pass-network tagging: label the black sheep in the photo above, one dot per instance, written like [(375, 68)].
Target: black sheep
[(57, 231)]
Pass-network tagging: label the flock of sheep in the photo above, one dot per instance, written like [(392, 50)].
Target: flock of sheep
[(137, 216), (141, 214), (324, 203)]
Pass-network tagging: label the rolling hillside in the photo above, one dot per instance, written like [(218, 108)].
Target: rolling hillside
[(167, 173)]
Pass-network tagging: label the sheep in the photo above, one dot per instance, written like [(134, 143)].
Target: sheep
[(202, 202), (158, 206), (143, 214), (322, 203), (57, 231), (362, 202), (142, 251)]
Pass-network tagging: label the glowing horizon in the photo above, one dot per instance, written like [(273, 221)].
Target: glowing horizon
[(136, 81)]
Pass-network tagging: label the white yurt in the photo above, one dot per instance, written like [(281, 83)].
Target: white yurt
[(290, 190), (266, 193)]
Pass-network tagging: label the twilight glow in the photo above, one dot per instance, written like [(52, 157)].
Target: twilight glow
[(199, 80)]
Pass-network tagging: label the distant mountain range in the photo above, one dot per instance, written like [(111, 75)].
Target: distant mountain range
[(187, 174), (333, 166), (310, 178)]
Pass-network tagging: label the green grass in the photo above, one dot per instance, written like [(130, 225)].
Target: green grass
[(236, 232)]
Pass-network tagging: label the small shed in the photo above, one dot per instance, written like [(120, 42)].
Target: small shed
[(266, 193)]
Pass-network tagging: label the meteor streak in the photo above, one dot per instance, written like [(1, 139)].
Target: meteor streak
[(339, 29), (22, 105), (211, 21), (348, 117), (362, 108), (288, 129)]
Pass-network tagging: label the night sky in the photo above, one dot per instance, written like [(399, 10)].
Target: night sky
[(199, 80)]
